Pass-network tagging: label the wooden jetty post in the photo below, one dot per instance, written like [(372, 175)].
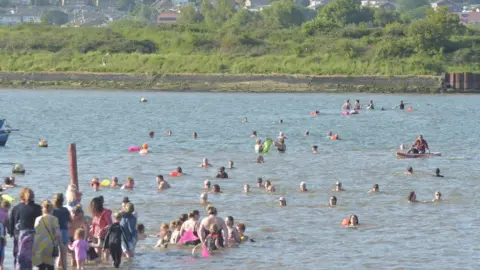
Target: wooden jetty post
[(72, 151)]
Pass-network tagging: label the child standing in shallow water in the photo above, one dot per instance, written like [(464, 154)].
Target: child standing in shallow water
[(80, 247)]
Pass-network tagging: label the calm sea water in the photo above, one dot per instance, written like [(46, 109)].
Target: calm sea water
[(306, 234)]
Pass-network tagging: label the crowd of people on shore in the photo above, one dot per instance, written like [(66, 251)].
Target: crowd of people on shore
[(43, 234)]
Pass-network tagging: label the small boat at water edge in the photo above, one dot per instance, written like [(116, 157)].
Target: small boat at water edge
[(412, 155), (4, 137)]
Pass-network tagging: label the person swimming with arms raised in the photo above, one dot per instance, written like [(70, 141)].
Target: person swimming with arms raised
[(338, 186), (437, 173), (205, 163), (303, 187)]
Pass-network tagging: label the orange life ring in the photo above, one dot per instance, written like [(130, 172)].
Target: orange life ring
[(174, 174), (410, 109)]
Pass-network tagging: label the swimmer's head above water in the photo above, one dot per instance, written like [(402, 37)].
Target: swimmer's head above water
[(412, 197), (338, 186), (230, 164), (283, 201), (333, 201), (307, 133), (207, 184), (438, 196), (315, 149), (254, 133), (216, 188), (353, 220), (409, 170), (203, 198), (303, 187), (260, 182), (260, 159), (246, 188), (375, 188), (179, 170), (195, 135)]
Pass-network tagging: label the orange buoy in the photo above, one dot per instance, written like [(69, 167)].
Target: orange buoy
[(335, 137), (410, 109), (174, 174)]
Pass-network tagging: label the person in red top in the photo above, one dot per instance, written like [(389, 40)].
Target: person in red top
[(94, 180), (102, 219), (419, 146)]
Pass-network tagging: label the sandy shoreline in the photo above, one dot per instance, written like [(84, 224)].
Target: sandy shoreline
[(228, 83)]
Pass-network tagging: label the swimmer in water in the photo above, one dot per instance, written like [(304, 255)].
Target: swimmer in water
[(141, 231), (346, 105), (114, 183), (303, 187), (437, 173), (216, 189), (260, 183), (402, 105), (281, 136), (283, 201), (315, 149), (162, 184), (371, 106), (254, 134), (332, 201), (151, 134), (94, 180), (129, 184), (245, 120), (338, 187), (260, 160), (357, 105), (230, 164), (194, 135), (233, 234), (221, 173), (205, 163), (307, 133), (259, 146), (330, 134), (438, 196), (204, 198), (281, 121), (409, 170), (207, 184), (169, 133), (353, 221), (374, 189), (179, 171), (96, 186), (281, 146), (402, 146), (241, 230), (269, 187), (412, 197), (246, 188)]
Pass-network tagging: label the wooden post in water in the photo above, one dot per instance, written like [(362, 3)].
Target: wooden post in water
[(72, 152)]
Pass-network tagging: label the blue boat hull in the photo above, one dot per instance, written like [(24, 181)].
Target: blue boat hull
[(3, 137), (2, 121)]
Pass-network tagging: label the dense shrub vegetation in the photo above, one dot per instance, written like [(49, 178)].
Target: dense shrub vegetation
[(341, 38)]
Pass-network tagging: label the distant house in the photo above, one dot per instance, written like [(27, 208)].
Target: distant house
[(385, 4), (469, 17), (169, 17), (316, 4), (452, 6), (256, 5), (163, 4), (388, 6), (20, 15)]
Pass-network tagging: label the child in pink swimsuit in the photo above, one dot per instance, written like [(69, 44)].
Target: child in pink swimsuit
[(80, 247)]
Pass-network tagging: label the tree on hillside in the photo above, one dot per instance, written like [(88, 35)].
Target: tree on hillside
[(217, 12), (283, 14), (56, 17), (383, 17), (435, 30), (343, 12), (145, 14), (407, 5), (189, 15)]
